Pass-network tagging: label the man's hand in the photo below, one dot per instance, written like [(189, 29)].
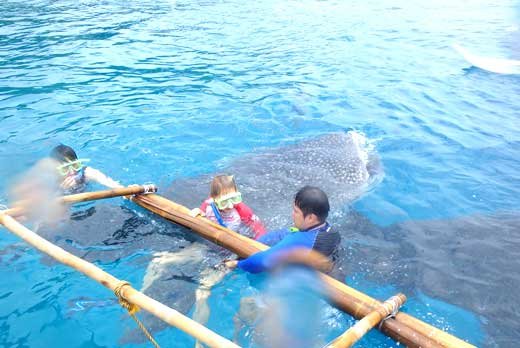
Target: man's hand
[(232, 264), (68, 183)]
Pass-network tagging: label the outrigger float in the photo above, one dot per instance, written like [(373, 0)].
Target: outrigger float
[(402, 327)]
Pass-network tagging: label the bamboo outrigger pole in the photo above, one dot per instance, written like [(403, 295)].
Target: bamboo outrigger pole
[(403, 328), (133, 296), (90, 196), (356, 332)]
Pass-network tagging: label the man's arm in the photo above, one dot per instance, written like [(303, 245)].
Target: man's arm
[(92, 174), (267, 259)]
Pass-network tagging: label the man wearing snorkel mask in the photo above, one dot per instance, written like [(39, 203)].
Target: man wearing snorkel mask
[(74, 173)]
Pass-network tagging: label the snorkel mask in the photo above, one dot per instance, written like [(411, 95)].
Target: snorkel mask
[(72, 167), (228, 201)]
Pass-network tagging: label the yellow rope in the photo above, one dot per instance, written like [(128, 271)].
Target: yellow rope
[(132, 310)]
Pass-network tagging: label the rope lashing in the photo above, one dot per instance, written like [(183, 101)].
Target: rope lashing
[(132, 310), (149, 188), (394, 302)]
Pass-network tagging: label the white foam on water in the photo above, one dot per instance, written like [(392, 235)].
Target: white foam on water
[(496, 65), (360, 145), (365, 150)]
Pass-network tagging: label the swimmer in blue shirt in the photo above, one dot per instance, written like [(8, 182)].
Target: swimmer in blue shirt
[(311, 231)]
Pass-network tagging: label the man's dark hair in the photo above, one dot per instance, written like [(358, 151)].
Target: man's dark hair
[(312, 200), (63, 153)]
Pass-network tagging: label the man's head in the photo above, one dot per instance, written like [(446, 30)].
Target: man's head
[(64, 153), (68, 164), (311, 207)]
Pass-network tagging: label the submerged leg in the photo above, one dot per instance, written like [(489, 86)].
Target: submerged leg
[(248, 314), (208, 278), (192, 254)]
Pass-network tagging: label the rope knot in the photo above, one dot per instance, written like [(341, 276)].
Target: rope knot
[(130, 307), (394, 302)]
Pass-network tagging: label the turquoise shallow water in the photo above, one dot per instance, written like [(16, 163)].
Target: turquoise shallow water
[(155, 91)]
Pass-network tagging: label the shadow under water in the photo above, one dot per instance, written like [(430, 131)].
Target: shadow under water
[(468, 261)]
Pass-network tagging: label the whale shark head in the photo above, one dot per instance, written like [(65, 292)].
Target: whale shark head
[(344, 165)]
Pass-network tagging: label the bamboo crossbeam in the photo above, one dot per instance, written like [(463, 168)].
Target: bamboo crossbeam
[(356, 332), (115, 192), (404, 328), (156, 308), (391, 327), (90, 196)]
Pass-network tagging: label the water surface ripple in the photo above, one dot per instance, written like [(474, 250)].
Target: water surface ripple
[(159, 90)]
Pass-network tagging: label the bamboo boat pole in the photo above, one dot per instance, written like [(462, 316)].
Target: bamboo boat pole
[(444, 339), (344, 297), (358, 309), (356, 332), (404, 328), (115, 192), (236, 243), (133, 296), (90, 196)]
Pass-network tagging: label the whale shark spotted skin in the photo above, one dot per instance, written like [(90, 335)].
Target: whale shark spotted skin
[(344, 165)]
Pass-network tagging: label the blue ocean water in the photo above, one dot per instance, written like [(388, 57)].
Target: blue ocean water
[(160, 90)]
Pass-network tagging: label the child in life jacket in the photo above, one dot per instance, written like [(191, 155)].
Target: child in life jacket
[(225, 207)]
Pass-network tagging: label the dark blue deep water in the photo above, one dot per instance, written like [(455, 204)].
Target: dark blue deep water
[(154, 91)]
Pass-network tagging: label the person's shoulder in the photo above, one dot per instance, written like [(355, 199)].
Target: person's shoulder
[(242, 206), (205, 203), (327, 240), (329, 231), (92, 173), (332, 229), (243, 210)]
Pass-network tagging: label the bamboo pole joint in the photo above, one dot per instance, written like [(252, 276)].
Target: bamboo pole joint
[(132, 309)]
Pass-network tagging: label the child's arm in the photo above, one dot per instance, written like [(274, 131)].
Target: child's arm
[(202, 210), (92, 174), (250, 219), (204, 205)]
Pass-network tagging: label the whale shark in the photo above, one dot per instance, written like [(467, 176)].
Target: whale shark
[(343, 164), (468, 261)]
